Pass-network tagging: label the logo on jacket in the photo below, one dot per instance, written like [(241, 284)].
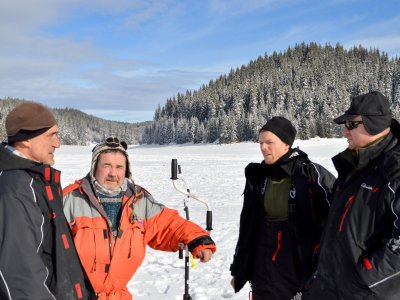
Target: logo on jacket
[(395, 244), (368, 187), (292, 192), (264, 186)]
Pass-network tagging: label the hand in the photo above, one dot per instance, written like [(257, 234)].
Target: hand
[(233, 282), (205, 255)]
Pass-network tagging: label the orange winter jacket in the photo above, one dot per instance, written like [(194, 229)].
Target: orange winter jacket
[(110, 262)]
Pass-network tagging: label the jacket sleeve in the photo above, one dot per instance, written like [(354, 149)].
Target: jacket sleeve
[(324, 181), (380, 269), (240, 266), (242, 238), (22, 272), (321, 195), (165, 229)]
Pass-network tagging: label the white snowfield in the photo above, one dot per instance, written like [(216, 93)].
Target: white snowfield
[(214, 173)]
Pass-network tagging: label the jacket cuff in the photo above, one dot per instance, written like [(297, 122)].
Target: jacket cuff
[(200, 243)]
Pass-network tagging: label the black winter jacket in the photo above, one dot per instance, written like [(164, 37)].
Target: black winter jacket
[(360, 248), (308, 208), (37, 255)]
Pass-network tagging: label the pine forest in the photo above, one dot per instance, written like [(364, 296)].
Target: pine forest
[(310, 84)]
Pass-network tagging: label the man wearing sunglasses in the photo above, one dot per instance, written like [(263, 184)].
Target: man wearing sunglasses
[(360, 246), (113, 220)]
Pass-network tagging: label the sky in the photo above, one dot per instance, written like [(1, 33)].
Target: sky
[(120, 59)]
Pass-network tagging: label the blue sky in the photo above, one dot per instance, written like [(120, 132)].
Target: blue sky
[(120, 59)]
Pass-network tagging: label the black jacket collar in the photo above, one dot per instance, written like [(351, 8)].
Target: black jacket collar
[(9, 161), (344, 164), (286, 166)]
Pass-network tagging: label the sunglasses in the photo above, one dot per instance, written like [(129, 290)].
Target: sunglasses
[(115, 142), (352, 124)]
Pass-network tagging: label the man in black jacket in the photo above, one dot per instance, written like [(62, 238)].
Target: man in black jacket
[(286, 201), (360, 247), (37, 255)]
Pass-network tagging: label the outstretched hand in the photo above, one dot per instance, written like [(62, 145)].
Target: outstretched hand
[(205, 255)]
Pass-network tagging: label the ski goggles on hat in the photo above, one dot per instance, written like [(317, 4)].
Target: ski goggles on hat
[(352, 124), (115, 143), (110, 143)]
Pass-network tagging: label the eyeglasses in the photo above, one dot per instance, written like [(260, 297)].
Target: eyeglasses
[(352, 124), (114, 142)]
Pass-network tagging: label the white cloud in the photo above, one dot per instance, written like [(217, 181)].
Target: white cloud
[(154, 54)]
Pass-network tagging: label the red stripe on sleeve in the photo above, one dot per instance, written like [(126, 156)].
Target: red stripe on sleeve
[(57, 176), (49, 193), (78, 290), (65, 241), (47, 174), (367, 264)]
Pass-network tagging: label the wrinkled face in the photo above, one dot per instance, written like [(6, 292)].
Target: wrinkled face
[(41, 148), (272, 147), (357, 137), (110, 170)]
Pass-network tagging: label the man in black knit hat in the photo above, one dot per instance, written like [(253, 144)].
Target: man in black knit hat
[(286, 201), (360, 248), (37, 255)]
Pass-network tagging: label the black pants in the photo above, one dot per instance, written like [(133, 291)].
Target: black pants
[(277, 271)]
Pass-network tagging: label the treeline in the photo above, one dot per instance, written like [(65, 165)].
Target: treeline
[(310, 84), (78, 128)]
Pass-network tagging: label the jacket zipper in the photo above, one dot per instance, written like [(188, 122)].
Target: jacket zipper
[(348, 205), (129, 200), (278, 247), (111, 237)]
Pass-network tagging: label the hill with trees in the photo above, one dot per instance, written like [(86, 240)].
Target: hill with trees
[(79, 128), (309, 84)]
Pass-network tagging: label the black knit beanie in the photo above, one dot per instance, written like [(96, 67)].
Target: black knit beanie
[(282, 128)]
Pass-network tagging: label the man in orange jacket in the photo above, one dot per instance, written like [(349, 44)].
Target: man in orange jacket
[(112, 220)]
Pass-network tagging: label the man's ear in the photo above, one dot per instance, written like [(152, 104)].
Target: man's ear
[(287, 147), (22, 145)]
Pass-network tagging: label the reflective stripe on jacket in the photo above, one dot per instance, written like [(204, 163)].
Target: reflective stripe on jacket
[(110, 263)]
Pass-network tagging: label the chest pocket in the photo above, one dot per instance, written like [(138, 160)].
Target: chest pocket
[(91, 237), (130, 239), (366, 206)]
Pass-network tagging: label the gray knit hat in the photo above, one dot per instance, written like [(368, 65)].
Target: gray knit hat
[(110, 144)]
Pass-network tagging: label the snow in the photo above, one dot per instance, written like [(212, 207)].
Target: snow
[(214, 173)]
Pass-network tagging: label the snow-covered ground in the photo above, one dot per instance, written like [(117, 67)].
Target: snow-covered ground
[(214, 173)]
